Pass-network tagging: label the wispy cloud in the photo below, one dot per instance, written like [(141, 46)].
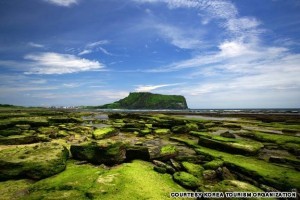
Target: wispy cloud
[(86, 51), (36, 45), (179, 38), (65, 3), (149, 88), (98, 43), (95, 46), (55, 63), (104, 51)]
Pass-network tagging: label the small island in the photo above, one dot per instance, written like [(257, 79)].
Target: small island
[(147, 100)]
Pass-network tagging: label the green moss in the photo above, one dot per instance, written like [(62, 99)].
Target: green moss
[(57, 195), (267, 137), (105, 132), (204, 134), (136, 180), (192, 126), (75, 177), (34, 162), (237, 146), (145, 132), (106, 151), (186, 180), (279, 177), (193, 169), (162, 131), (215, 164), (14, 189), (232, 186), (148, 125), (168, 149)]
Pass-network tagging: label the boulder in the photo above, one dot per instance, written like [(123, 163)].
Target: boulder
[(107, 152), (144, 132), (214, 164), (167, 168), (32, 161), (137, 152), (167, 152), (193, 169), (175, 164), (186, 180), (23, 139), (162, 131), (105, 132), (227, 134), (209, 175)]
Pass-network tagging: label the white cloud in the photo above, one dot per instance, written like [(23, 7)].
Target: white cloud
[(55, 63), (95, 46), (224, 11), (148, 88), (104, 51), (182, 39), (98, 43), (86, 51), (65, 3), (36, 45)]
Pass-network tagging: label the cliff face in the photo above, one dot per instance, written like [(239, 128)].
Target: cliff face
[(146, 100)]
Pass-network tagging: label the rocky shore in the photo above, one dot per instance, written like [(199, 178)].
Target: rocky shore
[(51, 154)]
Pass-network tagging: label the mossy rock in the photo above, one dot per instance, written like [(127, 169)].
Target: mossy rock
[(192, 126), (186, 180), (162, 131), (105, 151), (130, 130), (193, 169), (145, 132), (279, 177), (231, 145), (227, 134), (209, 175), (57, 194), (214, 164), (137, 152), (135, 180), (231, 186), (118, 124), (35, 162), (168, 168), (10, 131), (62, 120), (167, 152), (14, 189), (105, 132), (148, 125), (161, 170), (23, 139), (180, 129), (48, 130)]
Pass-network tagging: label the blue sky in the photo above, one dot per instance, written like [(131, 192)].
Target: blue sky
[(217, 53)]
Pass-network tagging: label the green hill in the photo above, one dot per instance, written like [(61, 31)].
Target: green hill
[(146, 100)]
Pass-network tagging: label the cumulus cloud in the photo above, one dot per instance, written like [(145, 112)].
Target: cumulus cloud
[(65, 3), (55, 63)]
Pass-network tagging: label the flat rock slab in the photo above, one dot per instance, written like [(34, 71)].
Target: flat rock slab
[(107, 152), (32, 161)]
